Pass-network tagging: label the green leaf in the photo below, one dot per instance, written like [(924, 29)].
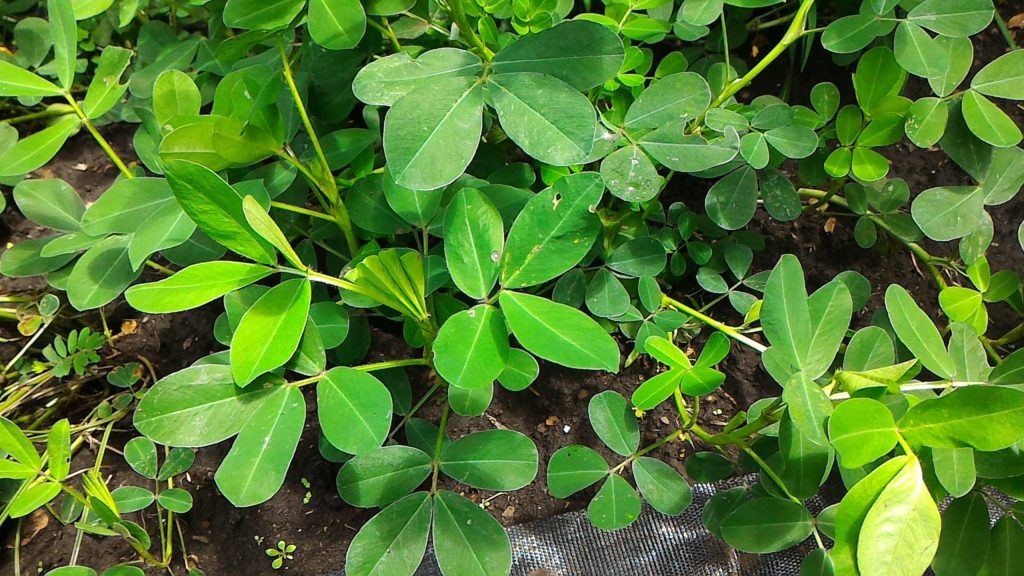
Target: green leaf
[(663, 488), (868, 165), (831, 310), (270, 330), (175, 95), (175, 500), (606, 296), (689, 152), (987, 418), (64, 34), (132, 499), (431, 134), (194, 286), (855, 506), (417, 207), (393, 541), (989, 122), (177, 462), (72, 571), (261, 14), (467, 540), (574, 468), (264, 225), (550, 120), (580, 53), (916, 330), (630, 175), (383, 476), (58, 449), (754, 149), (862, 430), (919, 53), (1002, 77), (472, 347), (960, 55), (849, 34), (520, 371), (195, 407), (140, 454), (806, 464), (52, 203), (32, 152), (615, 506), (878, 76), (926, 121), (673, 99), (32, 499), (14, 442), (474, 240), (15, 81), (614, 422), (336, 24), (470, 401), (657, 389), (355, 410), (957, 18), (25, 258), (793, 141), (785, 316), (383, 82), (106, 88), (1004, 177), (559, 333), (1005, 550), (639, 257), (216, 208), (554, 231), (101, 274), (817, 563), (255, 467), (901, 530), (732, 201), (499, 460), (808, 406), (765, 525), (955, 469)]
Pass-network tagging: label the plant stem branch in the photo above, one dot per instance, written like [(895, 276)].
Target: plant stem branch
[(98, 137), (445, 411), (727, 330), (793, 33), (927, 259), (458, 16), (300, 210), (770, 473)]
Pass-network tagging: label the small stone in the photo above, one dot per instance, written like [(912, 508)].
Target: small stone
[(566, 428)]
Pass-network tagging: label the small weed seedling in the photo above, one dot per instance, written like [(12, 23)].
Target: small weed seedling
[(281, 554)]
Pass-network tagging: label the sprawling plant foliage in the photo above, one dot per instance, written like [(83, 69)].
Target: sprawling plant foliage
[(493, 177)]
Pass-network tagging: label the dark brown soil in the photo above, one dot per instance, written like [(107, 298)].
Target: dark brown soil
[(227, 541)]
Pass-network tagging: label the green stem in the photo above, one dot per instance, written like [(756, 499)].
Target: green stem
[(1010, 337), (373, 367), (159, 267), (98, 137), (445, 411), (647, 450), (416, 408), (705, 319), (326, 182), (388, 33), (1005, 31), (793, 33), (770, 473), (41, 115), (458, 16), (927, 259), (300, 210)]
